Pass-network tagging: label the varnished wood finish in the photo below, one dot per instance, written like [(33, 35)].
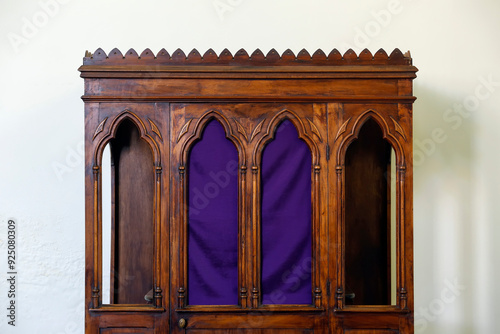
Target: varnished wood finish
[(366, 215), (169, 98), (132, 225)]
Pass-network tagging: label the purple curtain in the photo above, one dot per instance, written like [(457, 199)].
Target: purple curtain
[(213, 219), (286, 219)]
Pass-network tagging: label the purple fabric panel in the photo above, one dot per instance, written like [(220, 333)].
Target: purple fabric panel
[(213, 220), (286, 219)]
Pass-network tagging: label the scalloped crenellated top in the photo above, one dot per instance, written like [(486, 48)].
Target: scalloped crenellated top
[(257, 58)]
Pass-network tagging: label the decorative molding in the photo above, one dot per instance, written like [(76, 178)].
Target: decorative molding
[(184, 129), (314, 129), (196, 134), (243, 294), (242, 57), (255, 297), (241, 129), (403, 297), (158, 296), (257, 130), (111, 132), (399, 129), (342, 129), (339, 298), (298, 122), (155, 129), (386, 133), (317, 297), (99, 128), (181, 297), (95, 296)]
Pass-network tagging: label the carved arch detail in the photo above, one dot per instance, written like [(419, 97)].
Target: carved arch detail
[(155, 129), (184, 129), (111, 133), (99, 128), (270, 134), (198, 131), (386, 134), (257, 129), (399, 128)]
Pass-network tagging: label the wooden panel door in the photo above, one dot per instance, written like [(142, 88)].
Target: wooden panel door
[(249, 167)]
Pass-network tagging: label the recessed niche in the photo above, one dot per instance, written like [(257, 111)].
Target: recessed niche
[(370, 219), (127, 218)]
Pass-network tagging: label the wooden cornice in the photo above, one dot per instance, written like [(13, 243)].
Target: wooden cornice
[(242, 58)]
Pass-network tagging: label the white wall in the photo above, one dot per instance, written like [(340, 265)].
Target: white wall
[(457, 184)]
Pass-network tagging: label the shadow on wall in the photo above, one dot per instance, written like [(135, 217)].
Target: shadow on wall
[(443, 212)]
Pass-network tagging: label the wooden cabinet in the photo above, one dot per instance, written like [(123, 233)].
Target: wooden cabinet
[(248, 194)]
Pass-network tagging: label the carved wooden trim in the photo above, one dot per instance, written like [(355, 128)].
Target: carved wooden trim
[(184, 129), (401, 247), (257, 130), (241, 129), (96, 226), (155, 129), (158, 296), (243, 297), (386, 134), (95, 297), (183, 237), (243, 247), (314, 129), (340, 237), (342, 129), (99, 128), (181, 297), (111, 133), (241, 57), (270, 133), (398, 128), (197, 131), (315, 228)]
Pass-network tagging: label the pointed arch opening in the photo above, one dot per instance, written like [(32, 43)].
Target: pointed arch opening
[(370, 218), (213, 218), (286, 218), (127, 187)]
